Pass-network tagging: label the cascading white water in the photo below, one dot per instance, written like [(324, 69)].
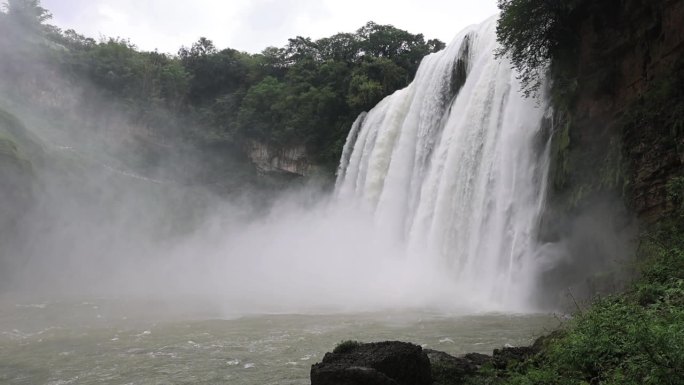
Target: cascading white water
[(455, 166)]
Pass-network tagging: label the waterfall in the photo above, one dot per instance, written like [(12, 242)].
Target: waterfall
[(455, 167)]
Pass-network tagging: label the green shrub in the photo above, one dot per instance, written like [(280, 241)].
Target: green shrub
[(635, 338)]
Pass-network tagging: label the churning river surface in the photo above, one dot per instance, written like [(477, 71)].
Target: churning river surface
[(119, 342)]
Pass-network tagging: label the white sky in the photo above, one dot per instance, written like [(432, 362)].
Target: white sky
[(252, 25)]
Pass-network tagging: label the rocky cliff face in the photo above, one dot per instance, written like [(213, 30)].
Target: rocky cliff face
[(622, 136), (618, 141), (289, 160)]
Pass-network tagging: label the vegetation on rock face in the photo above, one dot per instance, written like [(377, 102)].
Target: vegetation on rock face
[(654, 136), (541, 39), (604, 54), (636, 337)]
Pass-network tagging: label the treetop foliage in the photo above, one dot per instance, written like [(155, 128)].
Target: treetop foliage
[(28, 12), (531, 33)]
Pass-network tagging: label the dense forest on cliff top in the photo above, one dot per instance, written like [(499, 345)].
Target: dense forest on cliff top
[(306, 93)]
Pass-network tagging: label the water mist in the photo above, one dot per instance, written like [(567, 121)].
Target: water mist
[(436, 206)]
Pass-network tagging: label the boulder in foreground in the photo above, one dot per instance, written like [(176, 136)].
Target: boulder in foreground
[(381, 363)]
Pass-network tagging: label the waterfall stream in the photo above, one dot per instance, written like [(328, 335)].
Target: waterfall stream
[(455, 167)]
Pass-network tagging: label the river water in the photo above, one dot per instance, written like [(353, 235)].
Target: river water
[(123, 342)]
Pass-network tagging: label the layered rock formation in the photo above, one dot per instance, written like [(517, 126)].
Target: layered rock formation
[(281, 160)]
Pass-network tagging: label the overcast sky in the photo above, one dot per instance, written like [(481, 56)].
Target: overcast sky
[(252, 25)]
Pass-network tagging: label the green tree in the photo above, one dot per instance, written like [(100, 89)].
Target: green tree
[(373, 80), (341, 47), (403, 48), (531, 32), (299, 49), (115, 66), (261, 113), (29, 13), (213, 72), (364, 92)]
